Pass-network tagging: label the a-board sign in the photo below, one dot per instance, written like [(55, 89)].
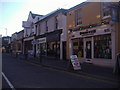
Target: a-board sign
[(75, 62)]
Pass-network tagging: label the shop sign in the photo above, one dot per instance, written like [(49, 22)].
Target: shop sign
[(41, 40), (34, 42), (106, 30), (75, 62), (91, 32)]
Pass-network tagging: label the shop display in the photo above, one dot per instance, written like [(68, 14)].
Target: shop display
[(78, 47), (102, 47)]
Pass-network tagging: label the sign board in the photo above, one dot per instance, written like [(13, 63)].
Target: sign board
[(42, 40), (26, 24), (34, 42), (75, 62)]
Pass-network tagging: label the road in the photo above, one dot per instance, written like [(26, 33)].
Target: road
[(23, 74)]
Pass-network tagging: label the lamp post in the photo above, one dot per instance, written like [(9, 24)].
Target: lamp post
[(4, 29)]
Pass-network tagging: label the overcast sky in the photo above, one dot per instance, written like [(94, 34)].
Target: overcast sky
[(13, 12)]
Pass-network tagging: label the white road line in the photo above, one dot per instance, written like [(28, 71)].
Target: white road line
[(9, 83)]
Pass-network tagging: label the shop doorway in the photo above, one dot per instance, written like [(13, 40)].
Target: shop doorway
[(64, 50), (88, 48)]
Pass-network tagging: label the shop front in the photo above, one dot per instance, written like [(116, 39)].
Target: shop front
[(94, 46), (28, 46), (53, 43), (49, 44), (41, 46)]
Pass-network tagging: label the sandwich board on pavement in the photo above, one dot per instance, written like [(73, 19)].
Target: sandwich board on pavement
[(75, 62)]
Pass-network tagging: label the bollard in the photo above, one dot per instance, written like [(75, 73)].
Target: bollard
[(40, 58)]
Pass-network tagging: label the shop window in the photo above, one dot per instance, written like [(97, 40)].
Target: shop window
[(102, 47), (78, 47), (43, 48), (19, 46), (53, 49)]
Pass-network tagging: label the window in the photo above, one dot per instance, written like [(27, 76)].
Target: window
[(36, 29), (78, 17), (78, 47), (53, 49), (102, 47), (56, 22), (106, 12), (43, 49), (39, 29), (46, 25), (106, 9)]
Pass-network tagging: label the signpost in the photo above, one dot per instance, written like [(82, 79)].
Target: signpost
[(75, 62)]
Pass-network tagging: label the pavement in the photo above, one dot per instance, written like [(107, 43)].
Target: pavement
[(90, 70)]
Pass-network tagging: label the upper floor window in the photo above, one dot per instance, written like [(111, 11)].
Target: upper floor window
[(36, 29), (46, 26), (78, 16), (32, 25), (39, 29), (56, 22), (106, 12), (106, 9)]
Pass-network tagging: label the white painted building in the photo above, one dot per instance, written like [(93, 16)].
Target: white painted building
[(29, 31), (51, 34)]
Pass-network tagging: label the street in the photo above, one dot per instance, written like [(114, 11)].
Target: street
[(23, 74)]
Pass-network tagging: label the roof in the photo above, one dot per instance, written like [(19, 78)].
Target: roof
[(20, 31), (51, 14), (6, 37), (34, 15), (77, 6)]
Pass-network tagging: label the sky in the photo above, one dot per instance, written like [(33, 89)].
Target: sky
[(13, 12)]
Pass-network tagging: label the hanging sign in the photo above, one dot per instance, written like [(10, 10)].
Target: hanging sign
[(75, 62)]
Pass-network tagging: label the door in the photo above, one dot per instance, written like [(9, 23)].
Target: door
[(88, 49), (64, 50)]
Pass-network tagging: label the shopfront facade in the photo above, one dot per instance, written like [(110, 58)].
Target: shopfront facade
[(53, 43), (52, 27), (41, 46), (95, 45), (49, 44), (29, 46), (92, 34)]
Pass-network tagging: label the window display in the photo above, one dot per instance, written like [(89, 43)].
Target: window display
[(53, 49), (78, 47), (102, 47), (43, 48)]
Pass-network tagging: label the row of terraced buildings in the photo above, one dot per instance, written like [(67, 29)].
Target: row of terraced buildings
[(89, 30)]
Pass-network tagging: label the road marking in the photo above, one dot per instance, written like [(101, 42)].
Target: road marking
[(9, 83)]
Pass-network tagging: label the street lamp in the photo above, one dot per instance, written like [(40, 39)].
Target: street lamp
[(4, 29)]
